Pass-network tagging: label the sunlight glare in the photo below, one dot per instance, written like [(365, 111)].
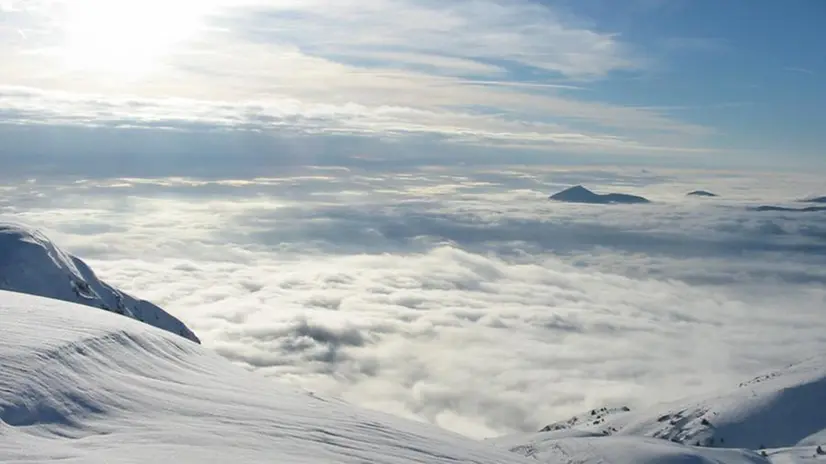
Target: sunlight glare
[(126, 38)]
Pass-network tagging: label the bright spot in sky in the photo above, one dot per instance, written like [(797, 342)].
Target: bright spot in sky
[(126, 38)]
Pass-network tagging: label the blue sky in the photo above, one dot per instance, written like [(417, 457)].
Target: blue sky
[(755, 69), (668, 82)]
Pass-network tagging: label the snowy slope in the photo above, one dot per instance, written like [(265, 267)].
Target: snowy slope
[(800, 454), (782, 408), (31, 263), (547, 448), (91, 386)]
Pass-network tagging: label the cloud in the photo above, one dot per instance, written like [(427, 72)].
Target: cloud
[(696, 44), (525, 33), (482, 73), (800, 70), (286, 117), (463, 297)]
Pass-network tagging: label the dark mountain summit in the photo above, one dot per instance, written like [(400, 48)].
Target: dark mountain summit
[(701, 193), (580, 194), (808, 209)]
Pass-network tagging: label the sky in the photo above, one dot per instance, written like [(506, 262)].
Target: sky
[(178, 86)]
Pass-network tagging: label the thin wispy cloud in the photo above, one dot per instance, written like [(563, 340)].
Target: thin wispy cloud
[(799, 70), (376, 116), (525, 33)]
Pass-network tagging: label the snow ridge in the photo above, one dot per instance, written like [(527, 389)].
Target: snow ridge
[(779, 413), (31, 263)]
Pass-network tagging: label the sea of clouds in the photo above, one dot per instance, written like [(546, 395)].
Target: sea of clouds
[(462, 296)]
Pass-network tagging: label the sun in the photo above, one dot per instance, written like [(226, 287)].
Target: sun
[(125, 38)]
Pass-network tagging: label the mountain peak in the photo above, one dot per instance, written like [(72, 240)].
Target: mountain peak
[(580, 194), (577, 189), (31, 263), (701, 193)]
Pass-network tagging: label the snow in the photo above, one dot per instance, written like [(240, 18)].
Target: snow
[(31, 263), (92, 386), (780, 409), (623, 450), (779, 412), (802, 454)]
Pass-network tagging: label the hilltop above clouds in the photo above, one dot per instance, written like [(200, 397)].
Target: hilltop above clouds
[(701, 193), (31, 263), (808, 209), (580, 194)]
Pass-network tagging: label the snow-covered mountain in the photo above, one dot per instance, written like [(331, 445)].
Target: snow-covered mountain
[(86, 386), (546, 448), (779, 409), (777, 417), (31, 263)]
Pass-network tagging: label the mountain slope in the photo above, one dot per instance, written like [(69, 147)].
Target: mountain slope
[(620, 450), (782, 408), (580, 194), (808, 209), (90, 386), (31, 263)]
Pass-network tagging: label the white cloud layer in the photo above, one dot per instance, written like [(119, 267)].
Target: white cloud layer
[(485, 72), (464, 298), (27, 106)]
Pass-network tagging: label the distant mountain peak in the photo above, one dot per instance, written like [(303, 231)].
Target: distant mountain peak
[(807, 209), (580, 194), (577, 189), (30, 263), (701, 193)]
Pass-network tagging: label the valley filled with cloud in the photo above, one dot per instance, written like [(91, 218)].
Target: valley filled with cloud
[(462, 296)]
